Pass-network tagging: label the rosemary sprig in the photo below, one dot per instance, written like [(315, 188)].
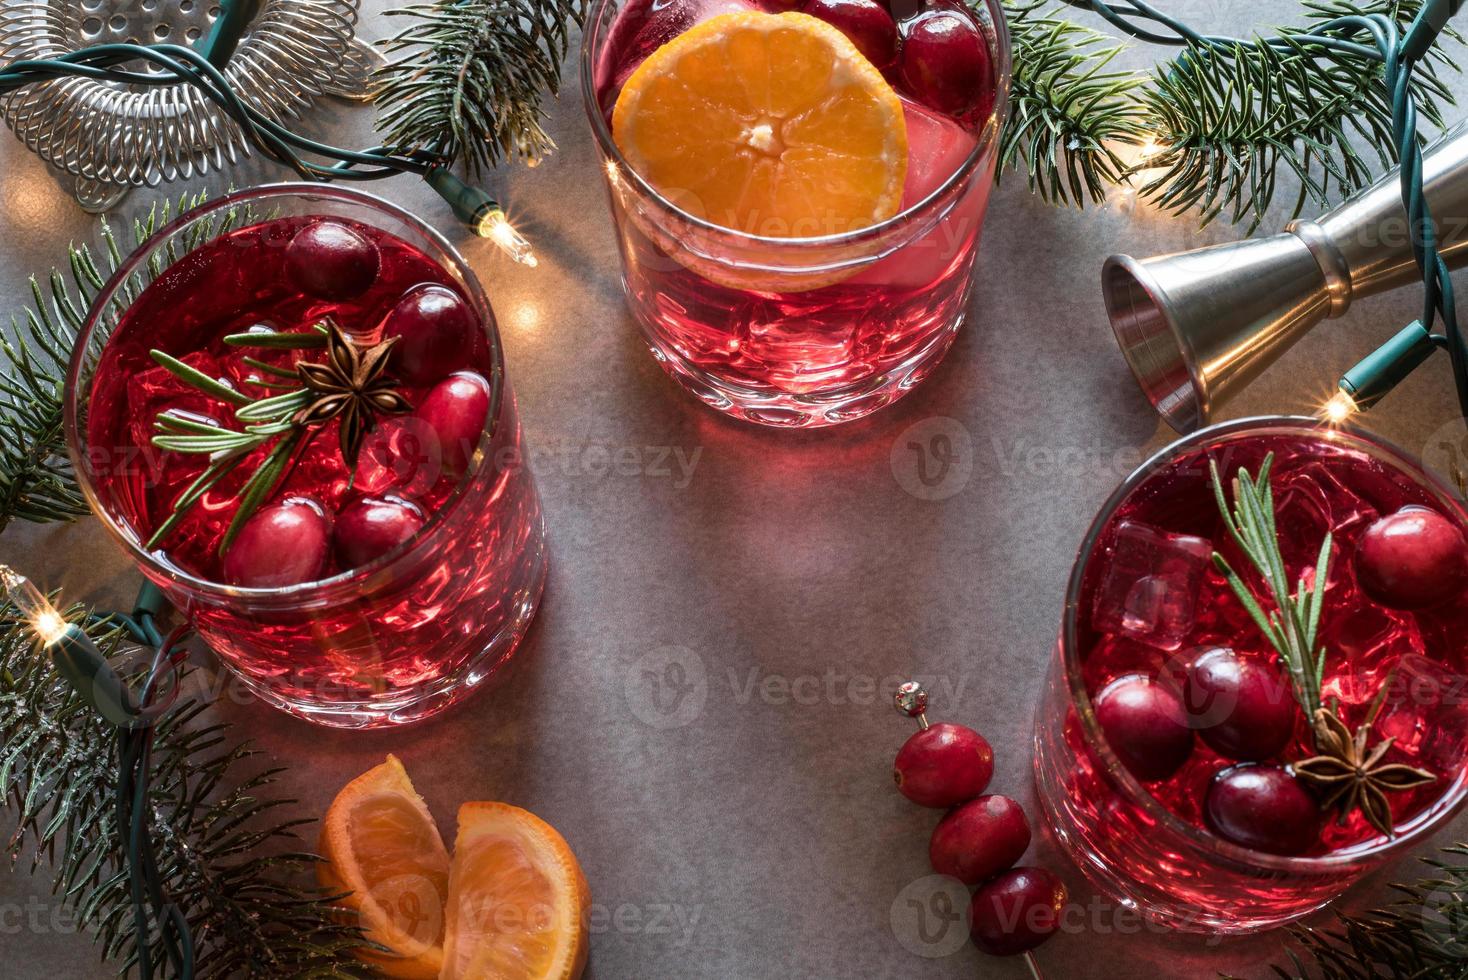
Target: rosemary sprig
[(1350, 773), (350, 386), (1293, 627)]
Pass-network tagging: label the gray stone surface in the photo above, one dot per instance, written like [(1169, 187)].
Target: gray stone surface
[(791, 572)]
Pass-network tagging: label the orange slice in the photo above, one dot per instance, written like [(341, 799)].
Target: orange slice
[(381, 844), (770, 124), (518, 904)]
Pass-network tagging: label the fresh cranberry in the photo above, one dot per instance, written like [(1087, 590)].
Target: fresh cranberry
[(371, 527), (332, 261), (1413, 559), (945, 61), (1264, 808), (1242, 708), (943, 765), (1145, 725), (1016, 911), (456, 409), (281, 544), (979, 839), (434, 327), (866, 22)]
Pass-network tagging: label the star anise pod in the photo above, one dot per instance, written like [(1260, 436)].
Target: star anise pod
[(1352, 776), (352, 386)]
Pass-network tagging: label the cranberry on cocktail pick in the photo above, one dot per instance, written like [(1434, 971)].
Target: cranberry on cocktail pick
[(369, 528), (332, 260), (1244, 709), (1016, 911), (1413, 559), (945, 61), (1145, 725), (281, 544), (434, 327), (456, 409), (979, 839), (866, 22), (939, 765), (1264, 808)]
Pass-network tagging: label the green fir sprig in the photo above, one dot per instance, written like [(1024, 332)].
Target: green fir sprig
[(1070, 112), (470, 76), (1225, 127), (1423, 935), (36, 479), (227, 856)]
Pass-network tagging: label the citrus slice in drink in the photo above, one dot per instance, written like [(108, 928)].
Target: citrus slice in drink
[(381, 846), (770, 124), (518, 904)]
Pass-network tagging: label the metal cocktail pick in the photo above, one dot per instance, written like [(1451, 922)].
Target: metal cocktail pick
[(911, 699)]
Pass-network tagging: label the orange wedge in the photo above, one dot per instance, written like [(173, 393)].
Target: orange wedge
[(518, 904), (771, 124), (380, 844)]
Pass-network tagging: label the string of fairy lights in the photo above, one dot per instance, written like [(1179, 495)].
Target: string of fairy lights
[(1376, 37)]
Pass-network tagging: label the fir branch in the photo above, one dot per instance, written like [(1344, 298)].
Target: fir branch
[(36, 479), (1229, 124), (1424, 934), (1069, 113), (231, 863), (471, 78)]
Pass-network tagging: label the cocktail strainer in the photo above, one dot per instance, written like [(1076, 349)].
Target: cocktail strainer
[(107, 137)]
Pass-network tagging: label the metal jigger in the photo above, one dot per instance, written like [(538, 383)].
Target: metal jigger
[(1197, 327)]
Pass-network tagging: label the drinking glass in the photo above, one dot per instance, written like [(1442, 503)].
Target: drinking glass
[(388, 642), (1142, 853), (803, 331)]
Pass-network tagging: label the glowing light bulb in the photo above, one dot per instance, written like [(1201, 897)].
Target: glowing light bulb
[(1339, 408), (497, 228), (49, 624)]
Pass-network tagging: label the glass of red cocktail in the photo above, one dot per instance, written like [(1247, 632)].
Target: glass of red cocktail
[(290, 407), (1174, 759), (780, 310)]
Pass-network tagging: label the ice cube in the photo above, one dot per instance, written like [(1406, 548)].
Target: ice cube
[(937, 147), (1311, 501), (1150, 587), (1362, 642), (1426, 711)]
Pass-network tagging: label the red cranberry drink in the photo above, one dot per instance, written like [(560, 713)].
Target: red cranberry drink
[(1227, 753), (303, 425), (798, 189)]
